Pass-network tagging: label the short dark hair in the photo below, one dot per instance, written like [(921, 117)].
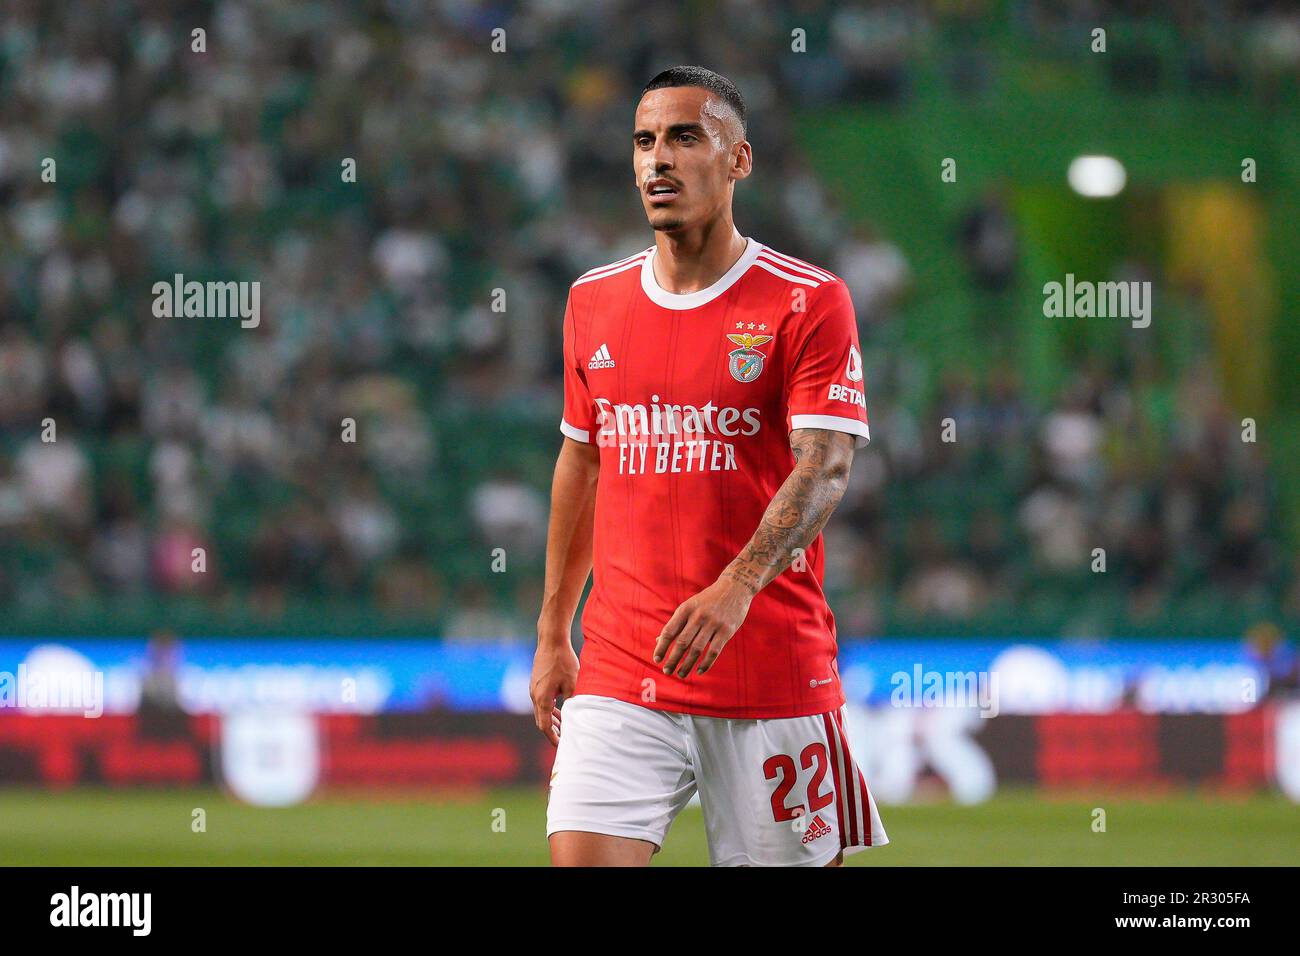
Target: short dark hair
[(706, 79)]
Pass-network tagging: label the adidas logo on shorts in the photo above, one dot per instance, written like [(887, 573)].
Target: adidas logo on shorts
[(817, 828)]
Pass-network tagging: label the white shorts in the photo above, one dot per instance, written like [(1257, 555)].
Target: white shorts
[(781, 792)]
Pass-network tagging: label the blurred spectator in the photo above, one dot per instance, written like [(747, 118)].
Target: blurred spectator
[(876, 272), (160, 714), (510, 514), (988, 242), (476, 617)]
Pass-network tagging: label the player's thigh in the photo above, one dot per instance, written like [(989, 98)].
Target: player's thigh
[(784, 792), (621, 771), (582, 848)]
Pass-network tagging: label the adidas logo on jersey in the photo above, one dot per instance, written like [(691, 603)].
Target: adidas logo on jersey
[(816, 829), (601, 358)]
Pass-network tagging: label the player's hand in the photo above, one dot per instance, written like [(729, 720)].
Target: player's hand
[(700, 628), (555, 672)]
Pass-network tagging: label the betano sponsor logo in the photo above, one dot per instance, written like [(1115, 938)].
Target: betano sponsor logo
[(843, 393)]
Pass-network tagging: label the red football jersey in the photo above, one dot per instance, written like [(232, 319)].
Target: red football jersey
[(691, 399)]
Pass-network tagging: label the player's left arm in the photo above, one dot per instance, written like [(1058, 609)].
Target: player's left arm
[(828, 421), (702, 625)]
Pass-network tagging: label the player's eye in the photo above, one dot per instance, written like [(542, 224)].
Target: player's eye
[(687, 138)]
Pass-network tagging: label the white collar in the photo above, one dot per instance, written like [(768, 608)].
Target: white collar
[(693, 300)]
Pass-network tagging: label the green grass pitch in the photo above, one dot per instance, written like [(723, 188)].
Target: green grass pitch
[(505, 828)]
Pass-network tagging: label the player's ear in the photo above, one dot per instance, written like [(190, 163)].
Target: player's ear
[(742, 160)]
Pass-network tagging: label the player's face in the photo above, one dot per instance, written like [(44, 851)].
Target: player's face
[(687, 150)]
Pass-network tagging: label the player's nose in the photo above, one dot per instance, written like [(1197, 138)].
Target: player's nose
[(661, 156)]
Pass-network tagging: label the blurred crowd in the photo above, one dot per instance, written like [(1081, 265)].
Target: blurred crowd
[(225, 155), (1130, 497)]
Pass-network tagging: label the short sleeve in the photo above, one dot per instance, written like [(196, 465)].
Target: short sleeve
[(579, 410), (824, 386)]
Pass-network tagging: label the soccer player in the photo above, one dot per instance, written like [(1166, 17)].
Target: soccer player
[(713, 400)]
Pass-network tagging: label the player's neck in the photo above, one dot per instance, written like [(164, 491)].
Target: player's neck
[(694, 259)]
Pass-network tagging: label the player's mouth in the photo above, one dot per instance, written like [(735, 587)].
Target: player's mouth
[(661, 191)]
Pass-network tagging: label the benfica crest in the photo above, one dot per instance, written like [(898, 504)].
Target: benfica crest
[(746, 362)]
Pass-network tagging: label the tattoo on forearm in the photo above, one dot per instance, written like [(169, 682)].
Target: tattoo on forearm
[(800, 508)]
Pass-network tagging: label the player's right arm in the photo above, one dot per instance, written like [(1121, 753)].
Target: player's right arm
[(568, 562), (568, 541)]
